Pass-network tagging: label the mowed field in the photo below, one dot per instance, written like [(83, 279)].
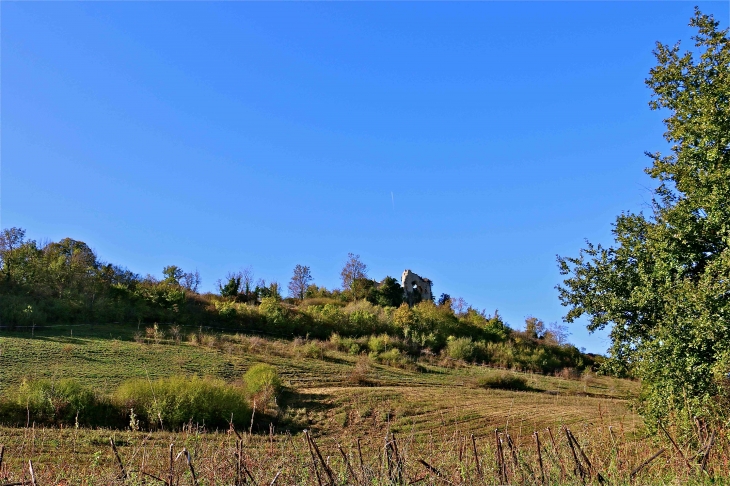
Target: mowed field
[(434, 410), (104, 356)]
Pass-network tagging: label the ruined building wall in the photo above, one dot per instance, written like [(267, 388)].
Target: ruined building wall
[(415, 288)]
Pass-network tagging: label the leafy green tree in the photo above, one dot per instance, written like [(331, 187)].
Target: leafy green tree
[(263, 290), (535, 327), (173, 275), (389, 293), (232, 286), (10, 240), (663, 288), (491, 328), (176, 276), (405, 319)]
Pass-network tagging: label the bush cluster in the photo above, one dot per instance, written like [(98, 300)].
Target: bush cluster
[(504, 381), (168, 403), (175, 401), (63, 402)]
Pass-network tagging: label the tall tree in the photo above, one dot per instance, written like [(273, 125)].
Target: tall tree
[(173, 274), (232, 285), (353, 271), (10, 240), (663, 288), (299, 281), (247, 280), (389, 293), (534, 327), (191, 280), (176, 276)]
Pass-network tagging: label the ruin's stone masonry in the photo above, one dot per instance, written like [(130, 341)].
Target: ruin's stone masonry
[(415, 288)]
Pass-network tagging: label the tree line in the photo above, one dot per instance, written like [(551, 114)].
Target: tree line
[(65, 282)]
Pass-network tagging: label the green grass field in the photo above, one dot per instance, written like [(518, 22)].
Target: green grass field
[(104, 356), (433, 409)]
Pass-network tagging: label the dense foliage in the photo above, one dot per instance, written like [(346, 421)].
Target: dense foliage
[(166, 403), (173, 402), (664, 287), (66, 283)]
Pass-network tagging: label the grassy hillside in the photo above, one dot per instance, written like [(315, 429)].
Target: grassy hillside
[(319, 377), (434, 407)]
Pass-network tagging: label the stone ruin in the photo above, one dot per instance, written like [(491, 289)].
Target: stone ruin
[(415, 288)]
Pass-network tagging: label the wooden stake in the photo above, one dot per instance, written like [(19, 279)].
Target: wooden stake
[(557, 454), (539, 457), (593, 471), (327, 469), (250, 476), (502, 467), (32, 473), (190, 465), (171, 474), (641, 466), (676, 447), (314, 459), (578, 465), (389, 460), (515, 461), (398, 459), (123, 474), (362, 464), (153, 477), (347, 464), (238, 453), (435, 471), (706, 453), (476, 456)]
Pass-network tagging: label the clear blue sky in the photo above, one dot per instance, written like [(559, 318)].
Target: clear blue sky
[(469, 142)]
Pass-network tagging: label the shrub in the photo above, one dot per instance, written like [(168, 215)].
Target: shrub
[(396, 358), (347, 345), (503, 381), (501, 354), (175, 401), (327, 317), (276, 314), (310, 350), (59, 402), (226, 309), (261, 378), (321, 302), (383, 342), (363, 321), (209, 340), (460, 348), (360, 372)]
